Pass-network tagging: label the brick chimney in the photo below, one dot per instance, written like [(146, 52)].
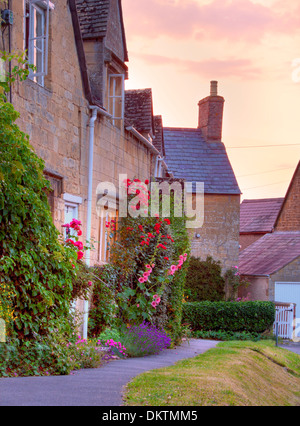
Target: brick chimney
[(211, 114)]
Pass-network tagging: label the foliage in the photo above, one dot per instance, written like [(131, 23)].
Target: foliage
[(204, 280), (58, 353), (254, 317), (110, 333), (19, 71), (144, 339), (103, 305)]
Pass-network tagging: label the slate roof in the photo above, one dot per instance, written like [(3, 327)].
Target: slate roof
[(270, 253), (190, 157), (259, 215), (93, 17), (139, 110)]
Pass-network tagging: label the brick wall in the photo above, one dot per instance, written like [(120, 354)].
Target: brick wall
[(248, 239), (289, 219), (219, 235)]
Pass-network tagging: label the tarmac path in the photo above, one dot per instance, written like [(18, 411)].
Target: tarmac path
[(92, 387)]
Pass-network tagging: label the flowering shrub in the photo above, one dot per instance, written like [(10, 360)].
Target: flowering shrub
[(145, 339), (148, 257), (55, 354)]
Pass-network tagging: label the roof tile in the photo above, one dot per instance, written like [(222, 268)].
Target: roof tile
[(190, 157), (270, 253)]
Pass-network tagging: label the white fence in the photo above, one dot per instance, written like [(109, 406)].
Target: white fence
[(285, 315)]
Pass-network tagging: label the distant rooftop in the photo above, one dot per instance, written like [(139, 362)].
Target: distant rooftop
[(190, 157), (270, 253), (259, 215)]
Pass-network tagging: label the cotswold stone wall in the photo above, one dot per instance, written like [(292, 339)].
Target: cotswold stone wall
[(219, 235), (56, 118)]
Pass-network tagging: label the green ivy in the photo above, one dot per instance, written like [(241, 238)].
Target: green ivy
[(35, 267)]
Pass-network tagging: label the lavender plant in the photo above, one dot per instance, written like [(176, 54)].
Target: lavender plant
[(145, 339)]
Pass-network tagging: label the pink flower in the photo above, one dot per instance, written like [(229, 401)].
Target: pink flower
[(174, 268), (148, 266), (137, 305), (90, 283), (157, 300), (153, 303), (156, 296), (79, 255), (79, 245), (141, 279)]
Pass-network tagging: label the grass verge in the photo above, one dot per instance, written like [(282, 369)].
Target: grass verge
[(232, 374)]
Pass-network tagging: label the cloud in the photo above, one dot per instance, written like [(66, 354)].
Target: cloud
[(209, 68), (233, 20)]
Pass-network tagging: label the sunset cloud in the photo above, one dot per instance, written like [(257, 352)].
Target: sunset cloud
[(233, 20), (219, 68)]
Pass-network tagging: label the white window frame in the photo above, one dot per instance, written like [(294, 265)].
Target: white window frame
[(114, 97), (41, 8)]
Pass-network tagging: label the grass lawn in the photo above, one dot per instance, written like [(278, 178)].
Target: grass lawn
[(233, 373)]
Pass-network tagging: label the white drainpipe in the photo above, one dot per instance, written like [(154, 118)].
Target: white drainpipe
[(95, 110), (89, 211)]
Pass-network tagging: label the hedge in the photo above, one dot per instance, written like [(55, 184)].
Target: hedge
[(255, 317)]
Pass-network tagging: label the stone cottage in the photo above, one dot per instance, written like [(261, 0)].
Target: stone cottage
[(73, 105)]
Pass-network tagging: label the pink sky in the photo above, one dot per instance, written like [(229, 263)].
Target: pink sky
[(177, 47)]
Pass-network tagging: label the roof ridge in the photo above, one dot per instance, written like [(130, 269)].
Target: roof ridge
[(255, 200)]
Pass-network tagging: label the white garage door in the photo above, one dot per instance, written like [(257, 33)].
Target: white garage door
[(289, 293)]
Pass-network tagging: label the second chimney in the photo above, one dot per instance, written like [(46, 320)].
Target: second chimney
[(211, 114)]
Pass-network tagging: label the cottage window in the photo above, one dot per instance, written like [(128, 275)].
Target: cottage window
[(36, 37), (107, 221), (116, 98)]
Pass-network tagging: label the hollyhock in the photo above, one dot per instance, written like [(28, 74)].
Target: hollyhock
[(153, 303)]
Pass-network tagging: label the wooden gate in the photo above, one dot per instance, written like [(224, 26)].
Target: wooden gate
[(285, 315)]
